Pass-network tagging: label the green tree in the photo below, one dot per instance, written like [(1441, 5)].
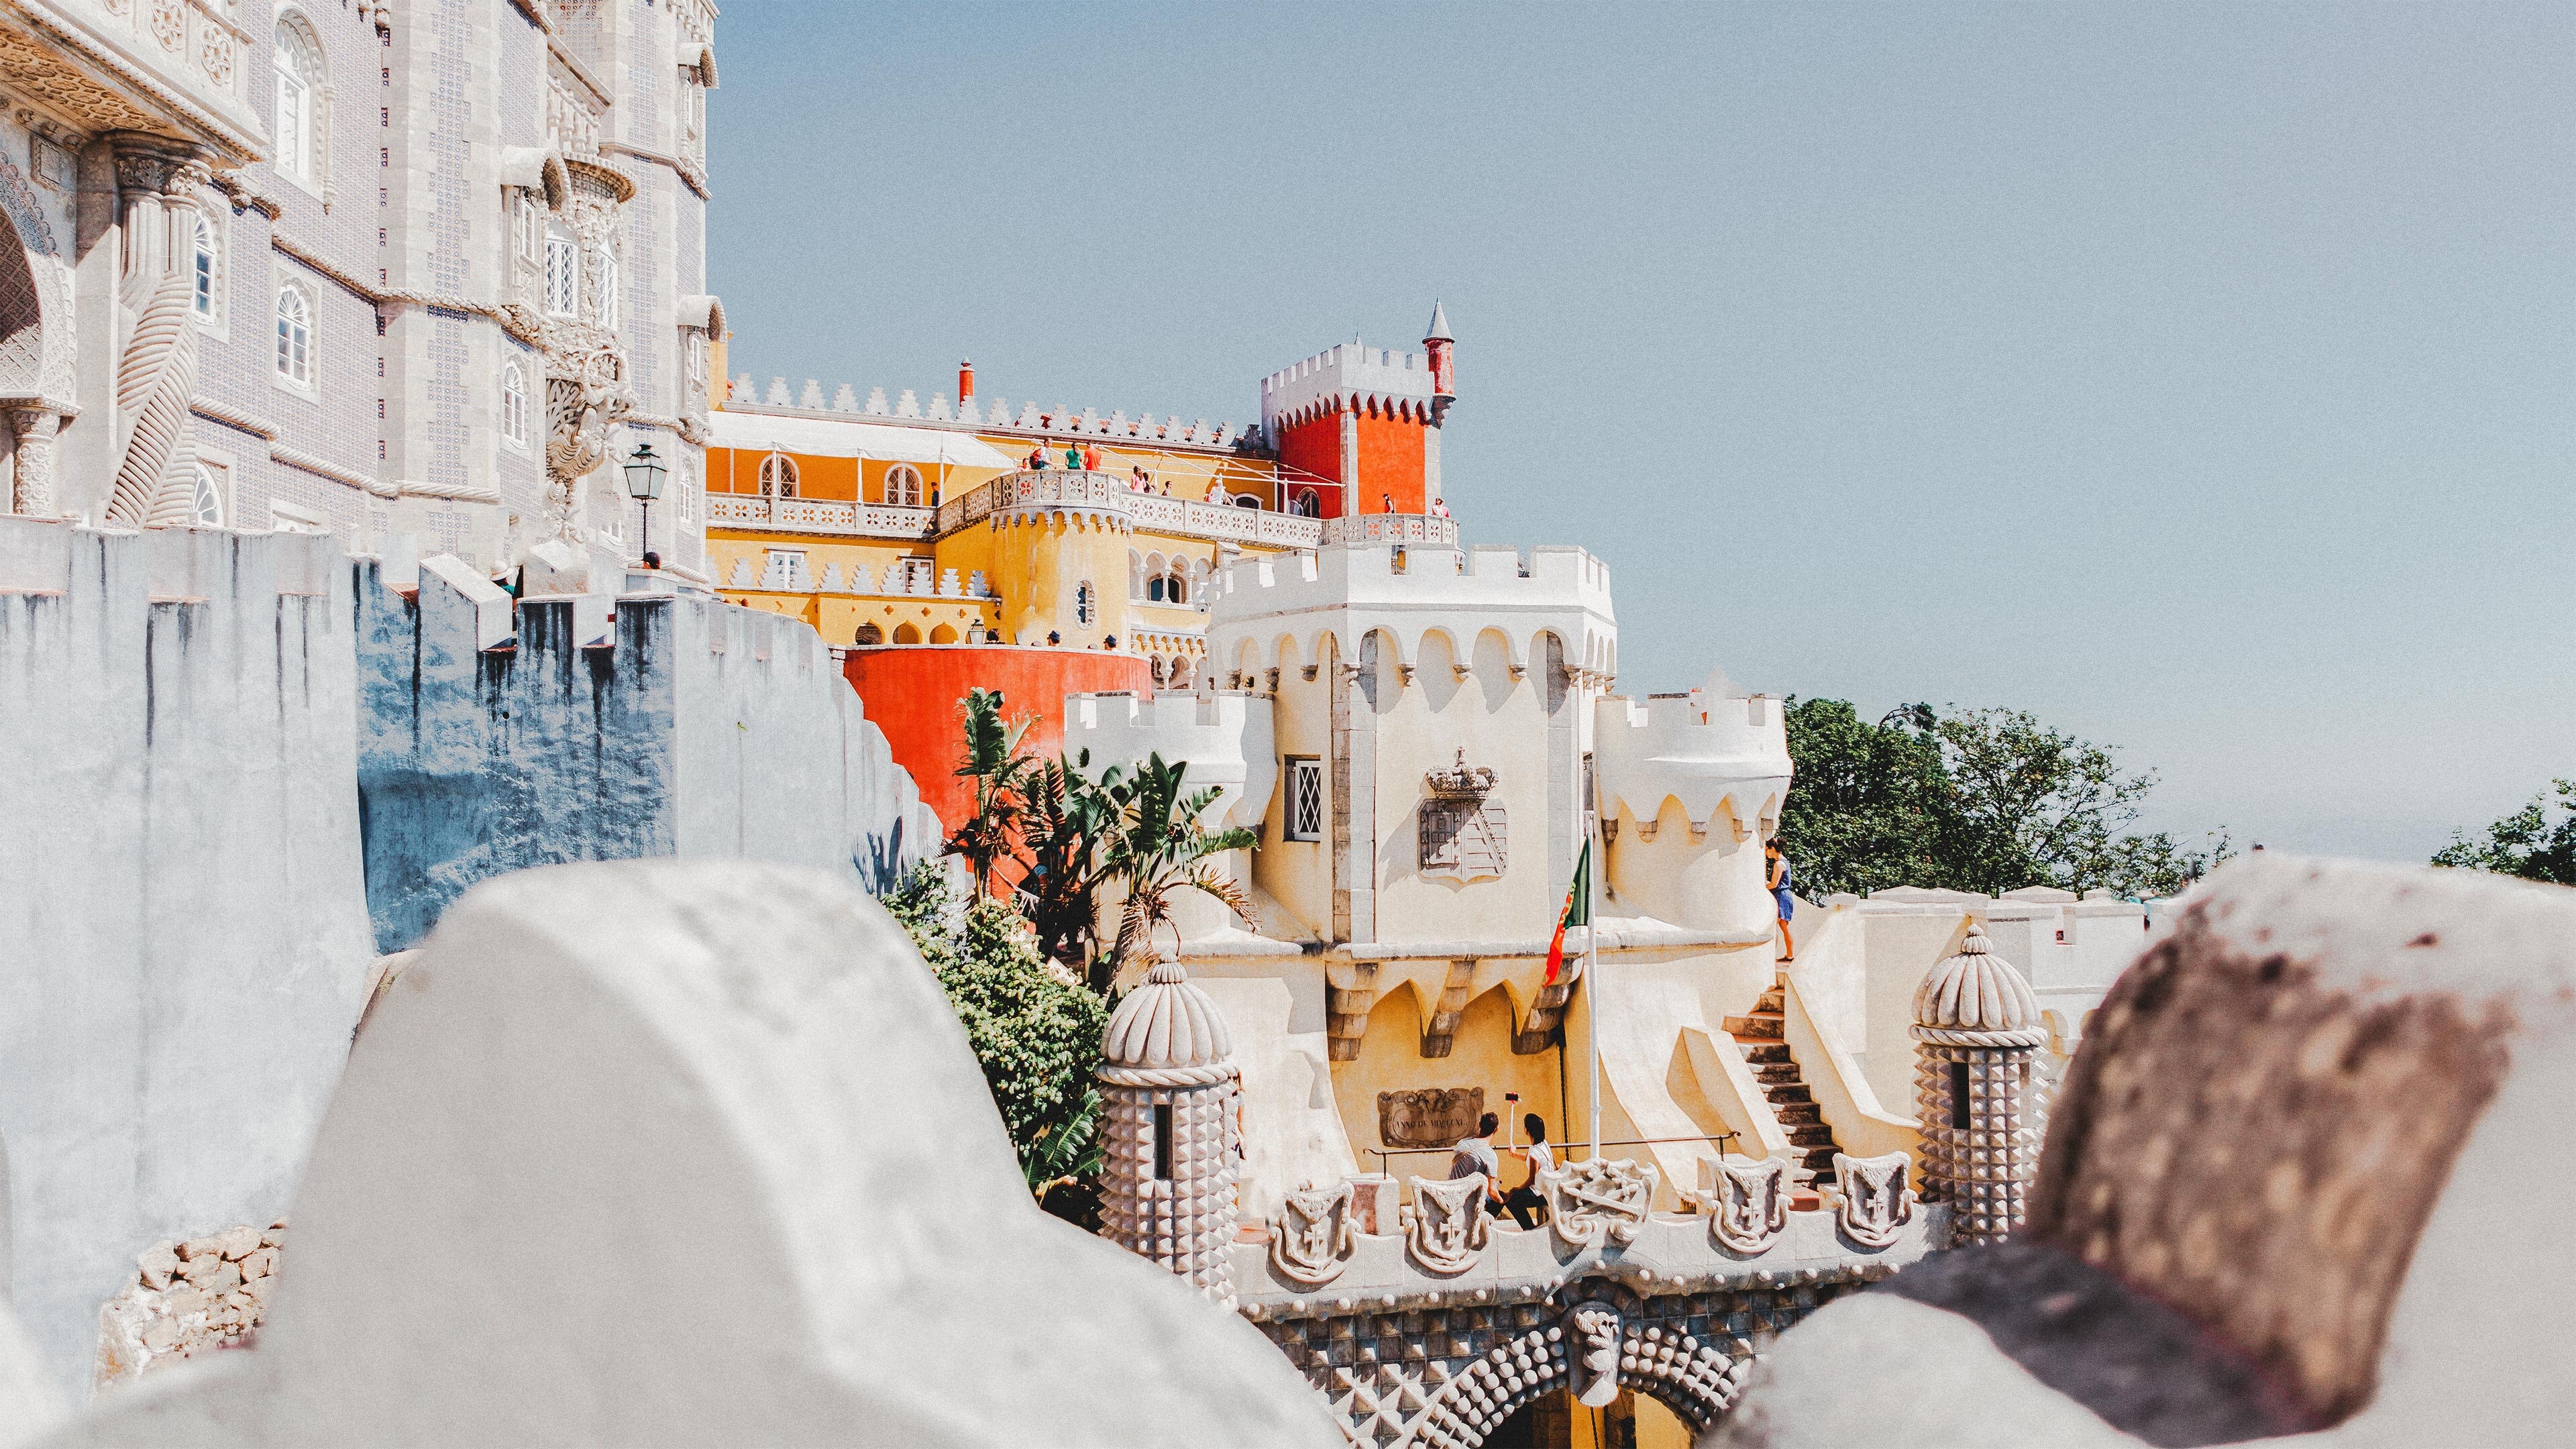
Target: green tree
[(1160, 849), (1065, 822), (1035, 1032), (994, 761), (1986, 800), (2524, 843)]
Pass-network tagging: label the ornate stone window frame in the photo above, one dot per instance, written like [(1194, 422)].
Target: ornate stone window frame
[(903, 487), (296, 32), (208, 258), (778, 476), (514, 402), (284, 283)]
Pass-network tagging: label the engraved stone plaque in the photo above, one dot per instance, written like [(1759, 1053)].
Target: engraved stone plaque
[(1429, 1116)]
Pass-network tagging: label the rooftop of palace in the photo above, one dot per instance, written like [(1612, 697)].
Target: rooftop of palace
[(989, 415)]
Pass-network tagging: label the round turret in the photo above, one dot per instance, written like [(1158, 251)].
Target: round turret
[(1980, 1107), (1169, 1087)]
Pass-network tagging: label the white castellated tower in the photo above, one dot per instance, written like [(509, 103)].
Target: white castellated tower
[(1168, 1076), (1977, 1029), (1691, 786)]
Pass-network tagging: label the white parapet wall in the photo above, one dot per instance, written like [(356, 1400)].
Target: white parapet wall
[(1275, 611), (184, 924), (1225, 737), (1691, 785)]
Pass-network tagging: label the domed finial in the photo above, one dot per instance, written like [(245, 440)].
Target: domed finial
[(1166, 1023), (1976, 993)]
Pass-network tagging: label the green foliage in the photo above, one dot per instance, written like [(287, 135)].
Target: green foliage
[(2524, 843), (1984, 800), (1159, 849), (992, 759), (1036, 1034), (1065, 822)]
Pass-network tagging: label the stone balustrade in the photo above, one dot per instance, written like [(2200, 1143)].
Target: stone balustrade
[(1425, 529), (822, 515)]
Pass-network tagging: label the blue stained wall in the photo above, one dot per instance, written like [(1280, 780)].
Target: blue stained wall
[(690, 727)]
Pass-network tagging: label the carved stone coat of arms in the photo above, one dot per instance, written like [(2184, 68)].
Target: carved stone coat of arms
[(1599, 1200)]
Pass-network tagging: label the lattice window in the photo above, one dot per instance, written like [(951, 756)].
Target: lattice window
[(206, 505), (563, 272), (778, 476), (903, 486), (1305, 798)]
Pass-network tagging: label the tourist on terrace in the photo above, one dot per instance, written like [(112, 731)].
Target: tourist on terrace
[(1440, 508), (1091, 456), (1779, 888), (1524, 1200), (1476, 1154), (1073, 456), (1386, 503), (1037, 459)]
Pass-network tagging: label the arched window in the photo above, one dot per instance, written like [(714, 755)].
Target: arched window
[(1308, 505), (778, 476), (1154, 589), (294, 335), (903, 486), (204, 267), (1086, 604), (869, 634), (1247, 500), (1175, 588), (206, 504), (604, 293), (563, 272), (301, 80), (514, 403)]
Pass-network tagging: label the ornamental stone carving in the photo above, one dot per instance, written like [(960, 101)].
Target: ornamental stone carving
[(34, 429), (585, 394), (1980, 1100), (1313, 1234), (1599, 1200), (1429, 1116), (1593, 1331), (1465, 834), (155, 480), (1748, 1202), (1875, 1199), (1445, 1228), (169, 23)]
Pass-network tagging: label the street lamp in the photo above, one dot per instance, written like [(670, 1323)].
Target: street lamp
[(644, 472)]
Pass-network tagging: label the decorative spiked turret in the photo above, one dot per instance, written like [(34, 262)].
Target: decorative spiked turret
[(1976, 1022), (1170, 1083)]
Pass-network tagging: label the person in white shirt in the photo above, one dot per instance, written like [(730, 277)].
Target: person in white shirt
[(1524, 1200), (1475, 1155)]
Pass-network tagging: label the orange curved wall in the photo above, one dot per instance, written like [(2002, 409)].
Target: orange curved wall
[(915, 692)]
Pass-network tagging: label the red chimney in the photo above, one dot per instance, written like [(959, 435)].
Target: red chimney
[(965, 379)]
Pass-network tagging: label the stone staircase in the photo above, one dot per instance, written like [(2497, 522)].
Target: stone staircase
[(1766, 1049)]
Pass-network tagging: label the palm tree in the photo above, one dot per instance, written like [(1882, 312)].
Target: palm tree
[(1161, 848), (1064, 821), (993, 761)]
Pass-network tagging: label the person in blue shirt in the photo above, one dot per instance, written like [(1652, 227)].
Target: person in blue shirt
[(1779, 887)]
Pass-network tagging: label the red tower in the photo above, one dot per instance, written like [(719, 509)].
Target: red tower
[(1357, 428)]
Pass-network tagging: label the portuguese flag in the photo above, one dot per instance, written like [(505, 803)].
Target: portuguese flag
[(1578, 911)]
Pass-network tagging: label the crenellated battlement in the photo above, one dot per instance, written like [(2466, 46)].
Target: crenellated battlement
[(995, 416), (1349, 591), (1225, 736), (1352, 375), (1714, 749)]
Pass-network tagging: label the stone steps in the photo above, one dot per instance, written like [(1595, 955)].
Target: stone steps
[(1762, 1034)]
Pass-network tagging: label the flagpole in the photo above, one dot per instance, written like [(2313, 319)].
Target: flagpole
[(1591, 941)]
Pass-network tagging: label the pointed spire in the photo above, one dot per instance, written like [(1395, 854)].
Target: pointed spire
[(1439, 324)]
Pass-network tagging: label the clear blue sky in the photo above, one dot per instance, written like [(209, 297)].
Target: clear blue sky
[(2199, 378)]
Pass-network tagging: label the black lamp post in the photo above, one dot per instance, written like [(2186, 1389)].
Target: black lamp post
[(644, 473)]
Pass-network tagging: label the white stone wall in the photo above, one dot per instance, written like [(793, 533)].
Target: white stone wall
[(184, 921)]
